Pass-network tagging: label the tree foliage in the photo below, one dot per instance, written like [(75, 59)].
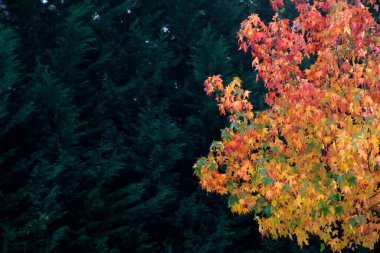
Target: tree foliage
[(309, 165)]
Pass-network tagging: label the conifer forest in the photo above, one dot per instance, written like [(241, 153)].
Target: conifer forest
[(105, 126)]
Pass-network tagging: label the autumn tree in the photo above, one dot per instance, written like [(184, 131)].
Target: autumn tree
[(309, 165)]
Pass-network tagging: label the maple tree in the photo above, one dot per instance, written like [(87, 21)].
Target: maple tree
[(310, 163)]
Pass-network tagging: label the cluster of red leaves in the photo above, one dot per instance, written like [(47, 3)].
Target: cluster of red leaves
[(310, 163)]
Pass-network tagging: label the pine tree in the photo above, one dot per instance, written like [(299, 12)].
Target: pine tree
[(11, 116), (153, 157)]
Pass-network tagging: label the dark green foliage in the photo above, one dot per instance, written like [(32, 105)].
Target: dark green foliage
[(102, 115), (201, 227), (9, 76), (210, 55)]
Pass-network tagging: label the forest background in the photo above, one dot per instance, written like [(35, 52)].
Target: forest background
[(103, 114)]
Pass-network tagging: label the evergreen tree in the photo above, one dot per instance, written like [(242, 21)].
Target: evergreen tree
[(11, 116)]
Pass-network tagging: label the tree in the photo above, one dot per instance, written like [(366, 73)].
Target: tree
[(309, 165)]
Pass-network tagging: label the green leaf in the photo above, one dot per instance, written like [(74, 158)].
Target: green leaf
[(323, 208), (317, 187), (267, 180), (303, 192), (295, 223), (352, 222), (254, 178), (282, 158), (263, 172), (322, 247), (351, 180), (226, 135), (360, 219), (216, 145), (201, 161), (230, 185), (267, 210), (233, 200), (339, 179), (316, 167), (338, 210), (260, 126), (275, 149), (327, 182), (212, 166), (197, 171), (260, 201), (333, 198), (285, 188), (313, 212)]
